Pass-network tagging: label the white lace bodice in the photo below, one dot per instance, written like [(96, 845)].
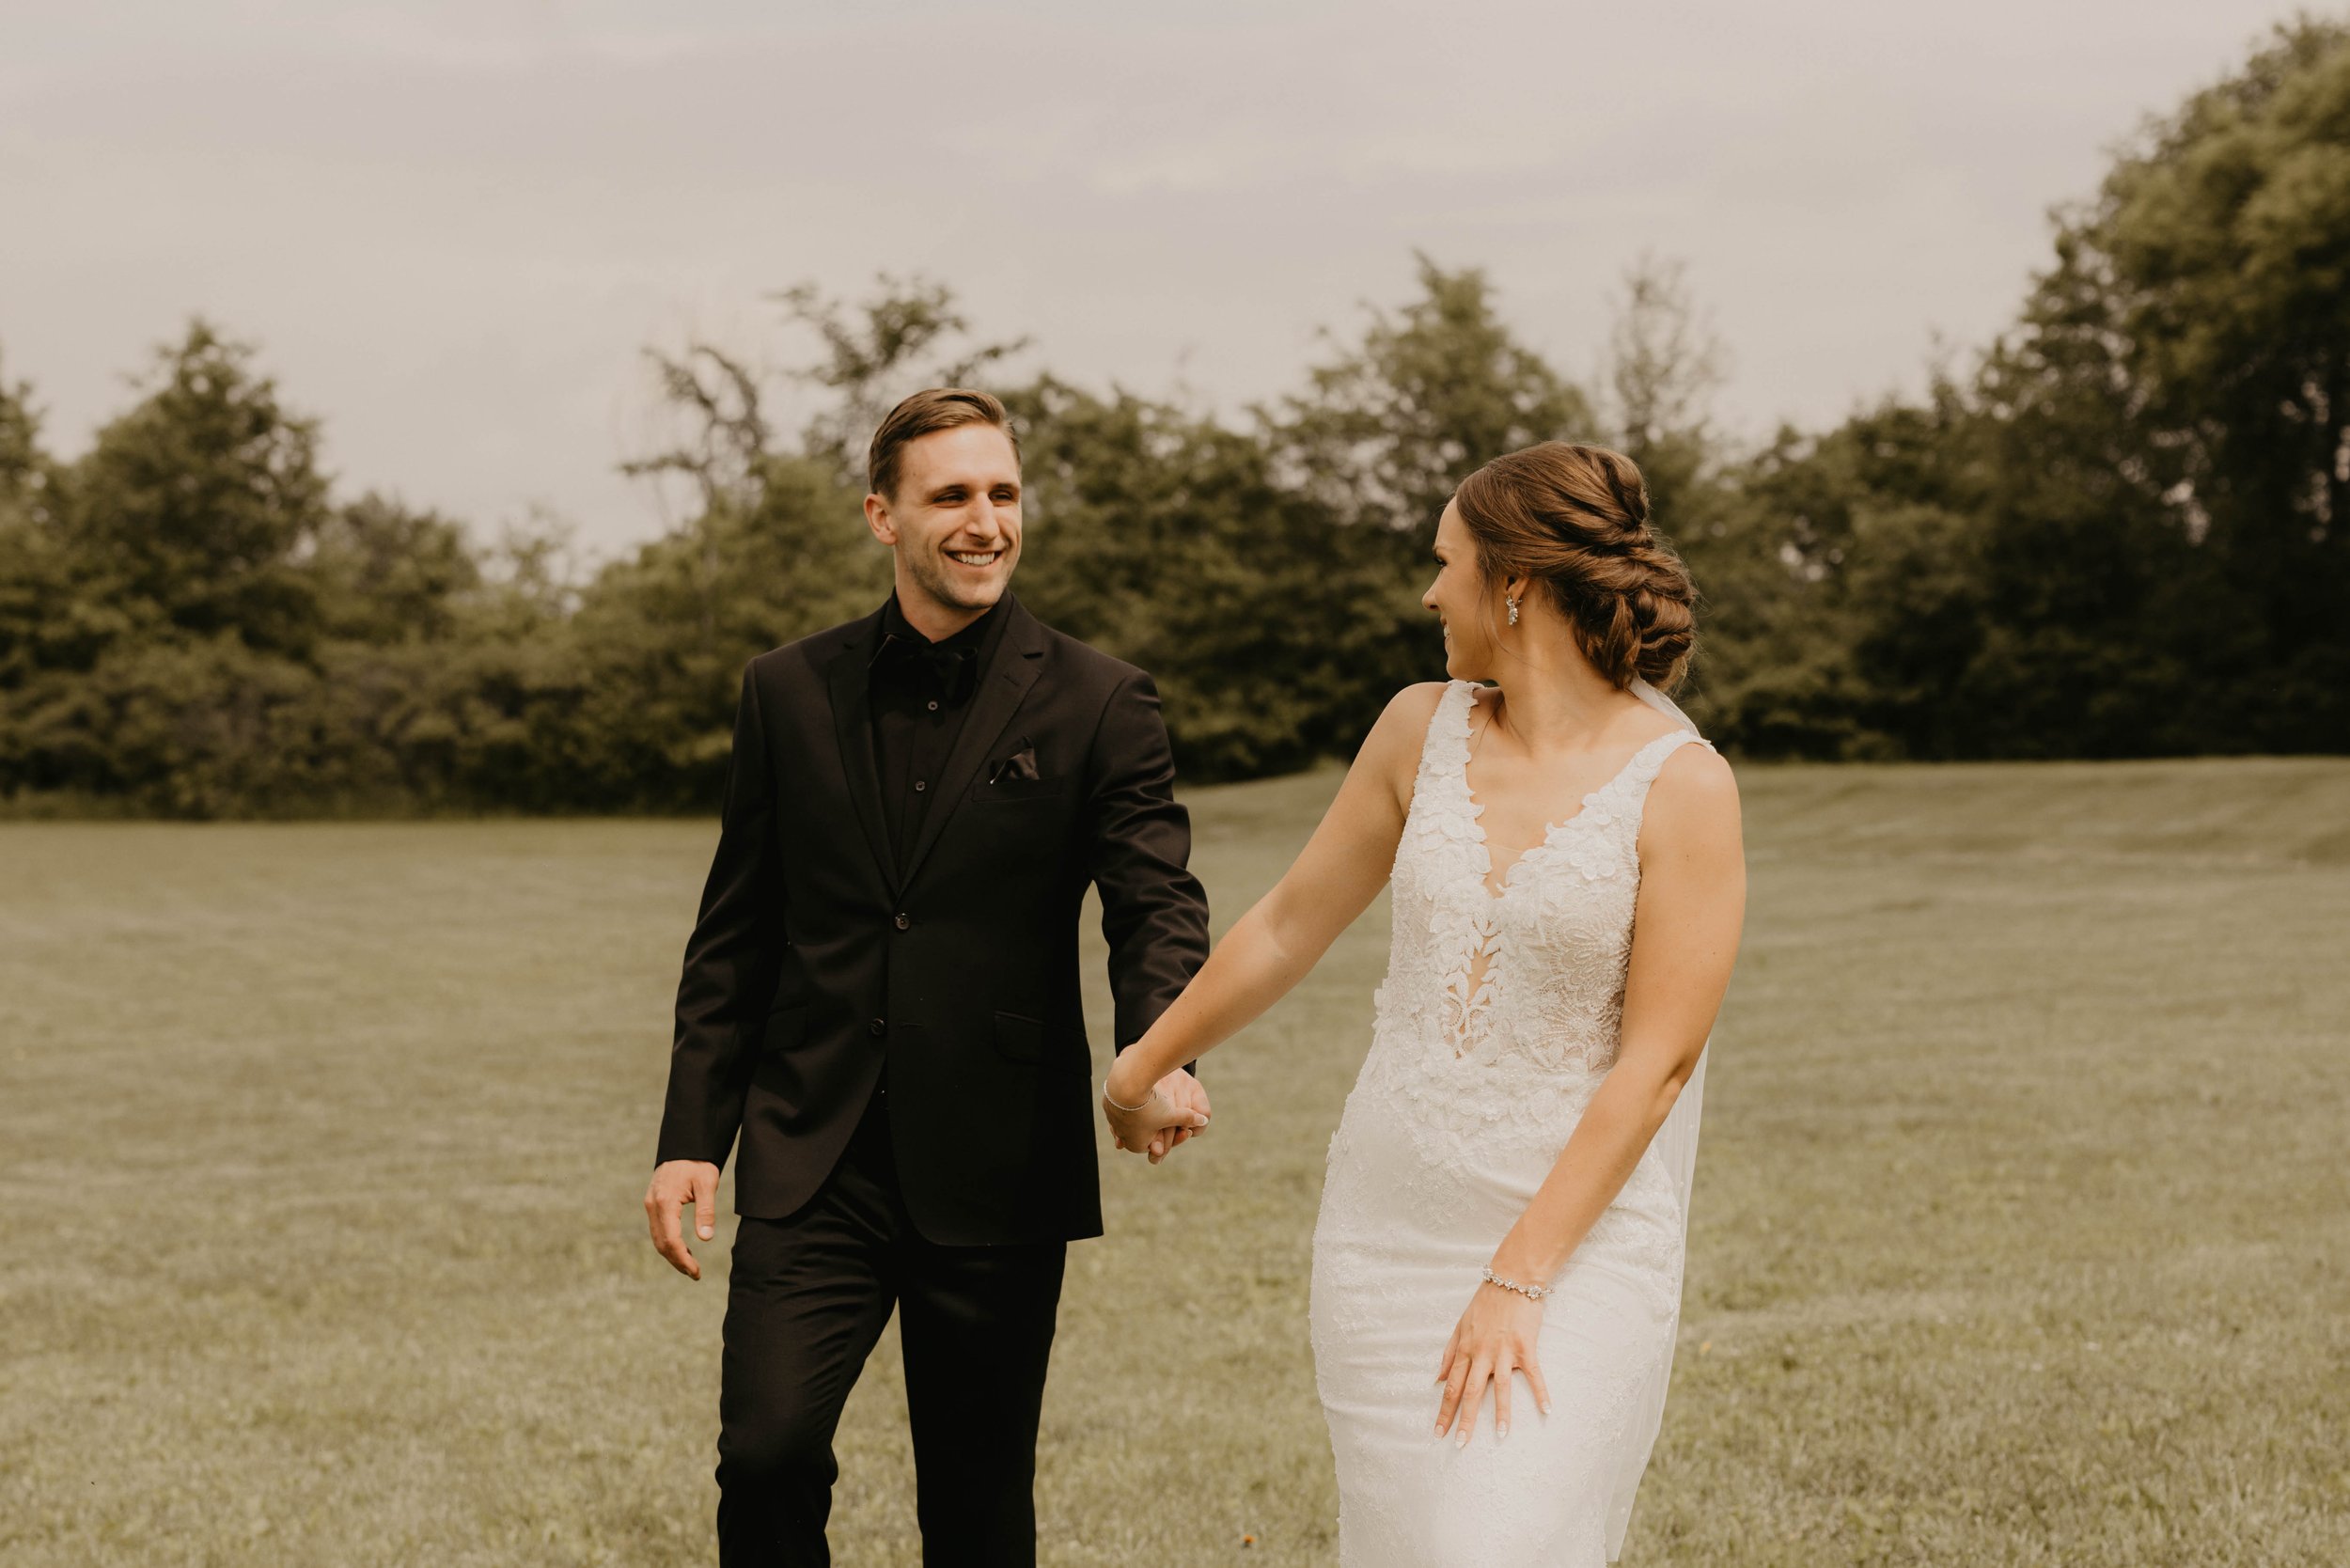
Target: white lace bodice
[(1501, 1010)]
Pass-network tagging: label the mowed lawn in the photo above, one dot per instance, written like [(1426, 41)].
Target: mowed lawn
[(2021, 1231)]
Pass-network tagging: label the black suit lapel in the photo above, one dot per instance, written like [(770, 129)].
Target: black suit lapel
[(1019, 659), (851, 698)]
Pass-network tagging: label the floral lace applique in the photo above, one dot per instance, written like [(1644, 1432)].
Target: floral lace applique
[(1526, 983)]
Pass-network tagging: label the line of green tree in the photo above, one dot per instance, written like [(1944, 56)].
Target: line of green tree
[(2120, 533)]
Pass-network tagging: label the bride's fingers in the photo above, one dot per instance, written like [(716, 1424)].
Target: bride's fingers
[(1451, 1345), (1534, 1380), (1501, 1397), (1453, 1384), (1464, 1425)]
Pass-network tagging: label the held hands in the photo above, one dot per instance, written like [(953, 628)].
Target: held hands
[(676, 1183), (1494, 1339), (1173, 1111)]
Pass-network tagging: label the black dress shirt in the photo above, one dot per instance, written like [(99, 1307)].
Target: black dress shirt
[(921, 690)]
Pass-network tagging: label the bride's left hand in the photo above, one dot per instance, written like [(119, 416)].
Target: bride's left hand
[(1494, 1339)]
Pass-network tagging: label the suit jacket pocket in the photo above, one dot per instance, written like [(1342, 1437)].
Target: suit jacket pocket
[(1035, 1044), (1008, 791)]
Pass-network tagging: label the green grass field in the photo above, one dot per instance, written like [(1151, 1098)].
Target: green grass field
[(2020, 1234)]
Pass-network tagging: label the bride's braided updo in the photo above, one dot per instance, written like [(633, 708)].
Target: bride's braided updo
[(1575, 519)]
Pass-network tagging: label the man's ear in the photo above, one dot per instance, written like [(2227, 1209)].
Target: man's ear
[(877, 518)]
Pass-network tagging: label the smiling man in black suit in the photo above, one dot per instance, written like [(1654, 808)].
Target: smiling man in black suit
[(881, 999)]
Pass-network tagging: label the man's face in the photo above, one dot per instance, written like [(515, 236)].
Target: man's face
[(953, 518)]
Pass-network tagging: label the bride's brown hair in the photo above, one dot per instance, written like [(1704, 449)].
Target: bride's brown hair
[(1575, 519)]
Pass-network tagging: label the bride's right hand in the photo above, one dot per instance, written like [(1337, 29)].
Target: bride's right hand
[(1174, 1109)]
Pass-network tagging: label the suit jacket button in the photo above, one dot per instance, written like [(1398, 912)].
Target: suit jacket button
[(905, 922), (877, 1028)]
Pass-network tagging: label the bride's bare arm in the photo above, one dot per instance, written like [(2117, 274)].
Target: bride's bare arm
[(1271, 948), (1692, 905)]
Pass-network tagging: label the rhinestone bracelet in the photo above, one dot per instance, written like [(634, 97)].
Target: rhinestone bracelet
[(1532, 1292)]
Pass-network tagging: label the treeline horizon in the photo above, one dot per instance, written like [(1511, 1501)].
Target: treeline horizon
[(2119, 533)]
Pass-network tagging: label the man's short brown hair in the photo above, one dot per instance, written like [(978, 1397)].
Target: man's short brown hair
[(929, 410)]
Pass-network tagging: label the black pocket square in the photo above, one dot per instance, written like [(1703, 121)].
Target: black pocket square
[(1018, 767)]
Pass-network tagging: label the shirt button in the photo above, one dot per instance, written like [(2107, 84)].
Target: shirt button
[(905, 922), (933, 705), (920, 786), (878, 1027)]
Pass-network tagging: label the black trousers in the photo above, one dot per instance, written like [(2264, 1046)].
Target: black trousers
[(810, 1297)]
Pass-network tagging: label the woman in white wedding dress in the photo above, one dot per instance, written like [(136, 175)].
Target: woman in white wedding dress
[(1507, 1192)]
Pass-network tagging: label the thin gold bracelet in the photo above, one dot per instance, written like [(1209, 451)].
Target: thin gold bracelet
[(1117, 1105)]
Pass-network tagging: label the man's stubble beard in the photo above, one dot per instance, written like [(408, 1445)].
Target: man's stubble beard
[(936, 582)]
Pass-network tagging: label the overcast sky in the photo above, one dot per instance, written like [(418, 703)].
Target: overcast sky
[(451, 228)]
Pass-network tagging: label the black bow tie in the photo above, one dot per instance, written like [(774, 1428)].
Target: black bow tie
[(950, 668)]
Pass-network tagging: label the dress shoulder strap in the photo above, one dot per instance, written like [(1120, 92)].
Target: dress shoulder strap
[(1647, 763), (1445, 749)]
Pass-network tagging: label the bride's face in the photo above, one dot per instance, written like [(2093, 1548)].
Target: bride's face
[(1468, 607)]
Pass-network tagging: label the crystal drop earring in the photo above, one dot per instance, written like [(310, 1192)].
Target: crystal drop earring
[(1513, 602)]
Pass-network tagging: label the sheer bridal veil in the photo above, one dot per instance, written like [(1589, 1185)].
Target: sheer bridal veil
[(1675, 1147)]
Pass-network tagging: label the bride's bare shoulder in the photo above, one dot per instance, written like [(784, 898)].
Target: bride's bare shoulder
[(1416, 704), (1407, 715), (1391, 750), (1694, 796)]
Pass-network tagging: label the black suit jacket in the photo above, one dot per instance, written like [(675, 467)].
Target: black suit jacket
[(819, 965)]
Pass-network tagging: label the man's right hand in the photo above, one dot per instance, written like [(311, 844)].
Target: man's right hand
[(676, 1183)]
